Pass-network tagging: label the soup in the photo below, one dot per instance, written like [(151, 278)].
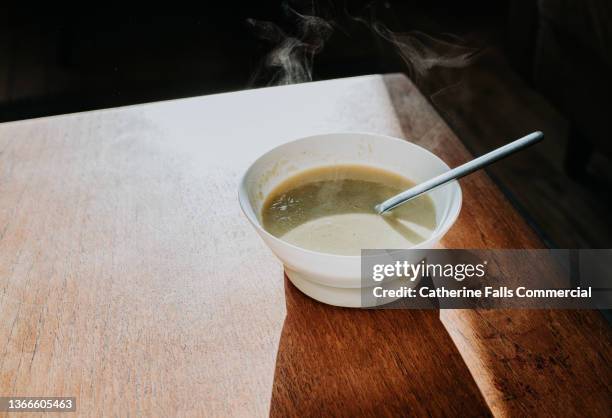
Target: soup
[(331, 210)]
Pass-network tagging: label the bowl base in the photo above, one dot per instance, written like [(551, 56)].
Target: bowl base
[(337, 296)]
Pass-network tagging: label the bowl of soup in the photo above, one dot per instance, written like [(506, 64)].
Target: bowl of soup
[(312, 202)]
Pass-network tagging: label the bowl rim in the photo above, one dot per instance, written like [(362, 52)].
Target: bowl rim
[(450, 217)]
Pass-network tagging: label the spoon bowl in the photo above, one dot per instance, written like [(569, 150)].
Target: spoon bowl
[(330, 278)]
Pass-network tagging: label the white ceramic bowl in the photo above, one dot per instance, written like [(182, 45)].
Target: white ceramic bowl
[(330, 278)]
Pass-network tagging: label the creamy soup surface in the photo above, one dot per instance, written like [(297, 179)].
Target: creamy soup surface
[(331, 210)]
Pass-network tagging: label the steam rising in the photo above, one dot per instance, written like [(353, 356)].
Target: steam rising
[(291, 59), (422, 52)]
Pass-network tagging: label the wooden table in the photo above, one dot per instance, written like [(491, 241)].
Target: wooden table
[(130, 279)]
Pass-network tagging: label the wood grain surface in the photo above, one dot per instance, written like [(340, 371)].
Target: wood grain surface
[(526, 362), (130, 279)]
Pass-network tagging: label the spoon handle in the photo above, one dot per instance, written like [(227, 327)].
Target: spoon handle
[(461, 171)]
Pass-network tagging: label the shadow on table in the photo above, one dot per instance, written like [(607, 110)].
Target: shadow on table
[(338, 361)]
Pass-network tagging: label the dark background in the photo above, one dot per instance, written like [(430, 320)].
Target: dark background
[(540, 65), (63, 64)]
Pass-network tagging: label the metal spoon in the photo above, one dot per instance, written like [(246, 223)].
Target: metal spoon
[(461, 171)]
